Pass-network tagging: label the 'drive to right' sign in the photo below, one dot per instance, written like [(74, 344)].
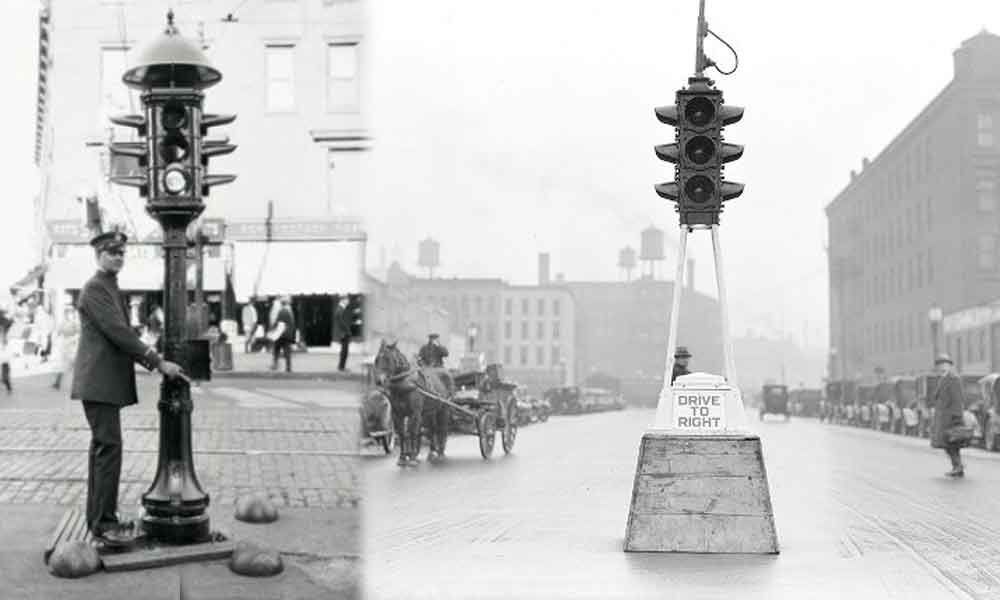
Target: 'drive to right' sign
[(699, 410)]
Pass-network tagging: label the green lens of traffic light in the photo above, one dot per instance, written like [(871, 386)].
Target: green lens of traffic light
[(699, 111), (699, 149), (699, 189), (173, 116)]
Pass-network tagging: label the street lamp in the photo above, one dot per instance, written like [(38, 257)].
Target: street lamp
[(935, 315), (171, 73)]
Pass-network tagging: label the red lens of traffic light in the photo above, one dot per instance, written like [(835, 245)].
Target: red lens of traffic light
[(699, 111)]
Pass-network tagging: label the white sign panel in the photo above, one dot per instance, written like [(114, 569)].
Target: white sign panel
[(699, 410)]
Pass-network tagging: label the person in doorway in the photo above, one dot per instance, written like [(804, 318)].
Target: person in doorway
[(68, 334), (433, 353), (681, 358), (104, 382), (284, 329), (342, 321), (949, 404), (249, 318)]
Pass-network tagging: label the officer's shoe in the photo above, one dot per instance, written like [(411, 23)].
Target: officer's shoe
[(956, 473), (116, 536)]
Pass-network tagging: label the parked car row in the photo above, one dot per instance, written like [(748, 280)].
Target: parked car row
[(904, 405)]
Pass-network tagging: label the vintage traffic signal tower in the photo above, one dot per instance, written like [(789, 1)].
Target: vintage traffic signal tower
[(699, 187)]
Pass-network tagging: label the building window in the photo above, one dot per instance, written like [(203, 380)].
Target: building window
[(507, 330), (930, 269), (478, 301), (508, 307), (491, 305), (540, 330), (491, 332), (982, 344), (524, 356), (987, 252), (555, 330), (541, 307), (986, 195), (540, 356), (984, 130), (507, 355), (555, 307), (525, 307), (555, 355), (280, 77), (343, 77), (524, 330)]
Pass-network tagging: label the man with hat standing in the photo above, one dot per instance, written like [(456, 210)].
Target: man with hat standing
[(949, 405), (432, 354), (681, 357), (342, 321), (105, 382)]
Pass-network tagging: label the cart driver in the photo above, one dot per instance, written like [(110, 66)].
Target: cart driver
[(681, 358), (432, 354)]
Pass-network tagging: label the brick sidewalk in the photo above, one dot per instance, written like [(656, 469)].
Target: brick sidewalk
[(302, 458)]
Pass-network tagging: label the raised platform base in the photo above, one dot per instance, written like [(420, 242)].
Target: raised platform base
[(701, 493)]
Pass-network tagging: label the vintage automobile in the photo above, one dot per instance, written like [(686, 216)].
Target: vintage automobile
[(990, 387), (840, 398), (563, 400), (904, 392), (806, 402), (774, 400)]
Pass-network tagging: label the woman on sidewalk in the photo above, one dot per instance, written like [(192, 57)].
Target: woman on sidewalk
[(68, 334)]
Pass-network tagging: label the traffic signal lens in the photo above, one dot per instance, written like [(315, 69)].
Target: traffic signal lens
[(699, 150), (174, 181), (174, 117), (699, 189), (699, 111), (174, 148)]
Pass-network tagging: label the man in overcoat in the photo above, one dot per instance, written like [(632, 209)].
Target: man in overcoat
[(949, 404), (681, 358), (285, 341), (342, 321), (105, 382)]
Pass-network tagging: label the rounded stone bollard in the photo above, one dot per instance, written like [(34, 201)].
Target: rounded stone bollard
[(255, 561), (256, 508), (75, 559)]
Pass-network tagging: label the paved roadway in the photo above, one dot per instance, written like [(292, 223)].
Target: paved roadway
[(859, 514)]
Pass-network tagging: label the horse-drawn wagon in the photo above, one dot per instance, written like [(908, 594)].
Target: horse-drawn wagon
[(484, 404)]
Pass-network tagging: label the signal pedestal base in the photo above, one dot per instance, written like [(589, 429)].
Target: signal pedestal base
[(701, 493)]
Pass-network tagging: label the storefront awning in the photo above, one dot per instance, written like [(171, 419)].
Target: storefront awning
[(72, 265), (297, 268)]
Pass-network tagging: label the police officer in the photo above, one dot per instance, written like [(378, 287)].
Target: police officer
[(681, 357), (105, 382), (432, 354)]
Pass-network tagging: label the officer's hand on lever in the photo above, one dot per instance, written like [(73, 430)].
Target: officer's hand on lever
[(172, 369)]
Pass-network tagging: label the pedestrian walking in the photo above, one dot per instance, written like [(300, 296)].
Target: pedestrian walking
[(68, 336), (342, 321), (949, 431), (5, 353), (249, 318), (681, 358), (104, 382), (284, 334), (433, 353)]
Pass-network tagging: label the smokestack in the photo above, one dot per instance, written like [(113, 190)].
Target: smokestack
[(690, 274), (543, 268)]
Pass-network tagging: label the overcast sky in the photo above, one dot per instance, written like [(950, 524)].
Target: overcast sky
[(508, 128), (504, 129)]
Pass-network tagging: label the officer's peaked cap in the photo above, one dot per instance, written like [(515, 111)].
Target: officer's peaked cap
[(943, 358), (433, 336), (682, 352), (109, 241)]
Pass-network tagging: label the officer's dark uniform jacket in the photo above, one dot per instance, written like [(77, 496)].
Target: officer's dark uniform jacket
[(678, 371), (104, 370), (432, 355)]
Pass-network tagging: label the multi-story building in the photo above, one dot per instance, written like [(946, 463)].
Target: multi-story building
[(918, 226), (293, 71), (528, 329), (621, 330), (394, 309)]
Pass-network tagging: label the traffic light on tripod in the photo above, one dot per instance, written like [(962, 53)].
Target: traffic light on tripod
[(699, 153)]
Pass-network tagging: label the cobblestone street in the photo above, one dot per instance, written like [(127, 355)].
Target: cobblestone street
[(297, 441)]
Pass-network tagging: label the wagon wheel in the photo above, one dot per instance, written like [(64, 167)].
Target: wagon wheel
[(510, 427), (486, 426)]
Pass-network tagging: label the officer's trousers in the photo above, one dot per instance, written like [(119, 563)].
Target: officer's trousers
[(104, 465)]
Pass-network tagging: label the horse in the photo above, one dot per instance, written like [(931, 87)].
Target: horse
[(412, 395)]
